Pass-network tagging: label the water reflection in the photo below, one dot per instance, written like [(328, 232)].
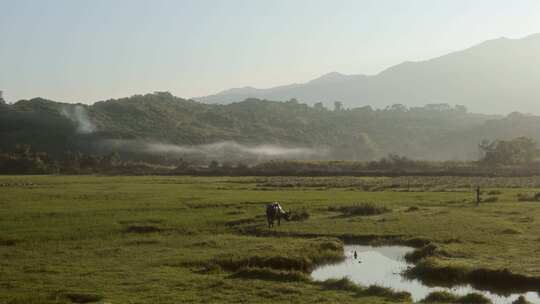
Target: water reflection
[(384, 265)]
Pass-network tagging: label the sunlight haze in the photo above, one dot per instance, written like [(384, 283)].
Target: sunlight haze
[(86, 51)]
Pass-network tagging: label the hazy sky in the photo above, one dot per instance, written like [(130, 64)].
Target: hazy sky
[(87, 51)]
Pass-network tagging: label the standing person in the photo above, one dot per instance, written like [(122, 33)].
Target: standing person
[(478, 196)]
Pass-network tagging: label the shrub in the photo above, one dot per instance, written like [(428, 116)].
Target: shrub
[(494, 192)]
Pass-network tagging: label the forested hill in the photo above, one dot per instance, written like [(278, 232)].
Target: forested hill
[(161, 123)]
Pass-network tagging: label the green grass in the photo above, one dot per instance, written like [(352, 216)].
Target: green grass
[(204, 240)]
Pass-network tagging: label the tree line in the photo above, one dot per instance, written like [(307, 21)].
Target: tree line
[(518, 156)]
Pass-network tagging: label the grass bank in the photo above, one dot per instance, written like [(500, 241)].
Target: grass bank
[(204, 239)]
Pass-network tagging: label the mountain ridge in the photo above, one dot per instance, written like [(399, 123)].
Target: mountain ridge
[(498, 75)]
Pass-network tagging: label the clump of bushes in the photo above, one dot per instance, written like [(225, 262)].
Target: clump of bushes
[(362, 209)]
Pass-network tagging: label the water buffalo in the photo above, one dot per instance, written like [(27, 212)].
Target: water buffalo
[(274, 212)]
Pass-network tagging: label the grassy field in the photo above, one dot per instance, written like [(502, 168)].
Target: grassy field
[(70, 239)]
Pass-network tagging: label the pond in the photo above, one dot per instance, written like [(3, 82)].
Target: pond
[(384, 266)]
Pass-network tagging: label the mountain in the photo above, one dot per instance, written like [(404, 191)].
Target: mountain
[(496, 76), (162, 124)]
